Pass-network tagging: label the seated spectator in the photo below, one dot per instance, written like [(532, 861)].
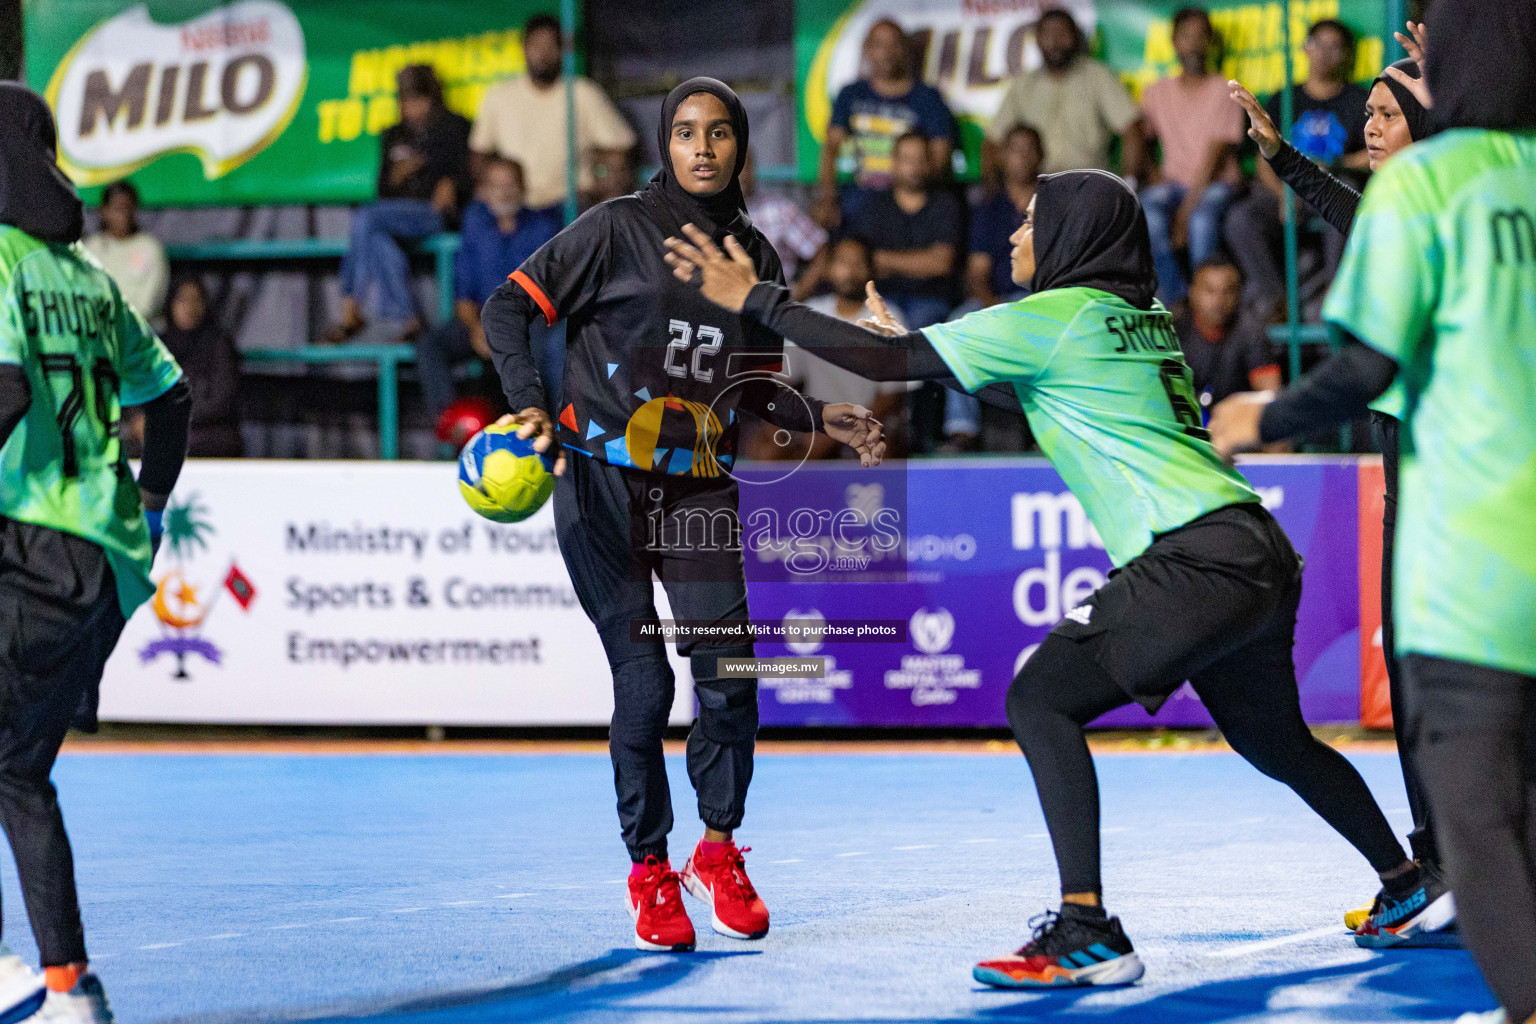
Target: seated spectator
[(1077, 104), (523, 119), (497, 236), (135, 258), (1200, 129), (208, 356), (423, 182), (989, 267), (913, 231), (797, 239), (869, 115), (1329, 128), (848, 271), (1226, 351)]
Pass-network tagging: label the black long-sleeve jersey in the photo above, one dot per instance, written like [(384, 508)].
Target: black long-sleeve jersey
[(655, 374)]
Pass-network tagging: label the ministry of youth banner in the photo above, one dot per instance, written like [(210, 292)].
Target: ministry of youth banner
[(357, 593), (969, 48), (252, 101), (997, 552)]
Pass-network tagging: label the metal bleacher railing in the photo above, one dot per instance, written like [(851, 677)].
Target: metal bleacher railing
[(441, 248)]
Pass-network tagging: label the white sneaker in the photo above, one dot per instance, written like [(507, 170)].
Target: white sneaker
[(1487, 1017), (21, 989), (86, 1003)]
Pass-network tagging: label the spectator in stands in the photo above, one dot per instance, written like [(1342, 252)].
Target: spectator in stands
[(523, 119), (913, 231), (207, 354), (799, 240), (423, 182), (989, 267), (869, 115), (499, 233), (1226, 351), (135, 258), (1077, 104), (848, 271), (1200, 129), (1329, 128)]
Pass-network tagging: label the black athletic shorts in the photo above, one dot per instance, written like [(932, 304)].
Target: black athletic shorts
[(1199, 593)]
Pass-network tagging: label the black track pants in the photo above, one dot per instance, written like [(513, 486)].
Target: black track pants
[(1474, 729), (59, 620), (1422, 838), (616, 526), (1213, 602)]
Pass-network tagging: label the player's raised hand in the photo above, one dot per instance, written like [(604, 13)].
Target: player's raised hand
[(881, 320), (856, 427), (1234, 422), (535, 423), (1261, 128), (1415, 43), (725, 278)]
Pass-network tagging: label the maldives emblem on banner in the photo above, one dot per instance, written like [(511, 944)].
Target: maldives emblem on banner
[(222, 86), (184, 599)]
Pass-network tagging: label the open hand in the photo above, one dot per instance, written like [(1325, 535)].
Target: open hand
[(1261, 128), (1415, 43), (881, 320), (1234, 422), (856, 427), (535, 423), (725, 280)]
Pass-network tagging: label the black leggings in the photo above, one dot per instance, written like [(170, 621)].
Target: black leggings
[(1255, 704), (1422, 838), (1474, 730)]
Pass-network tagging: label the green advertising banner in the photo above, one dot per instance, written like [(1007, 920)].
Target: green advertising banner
[(253, 101), (968, 48)]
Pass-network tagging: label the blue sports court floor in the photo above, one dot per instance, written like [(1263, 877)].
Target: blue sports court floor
[(482, 887)]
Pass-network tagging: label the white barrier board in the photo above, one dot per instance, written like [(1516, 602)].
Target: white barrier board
[(357, 593)]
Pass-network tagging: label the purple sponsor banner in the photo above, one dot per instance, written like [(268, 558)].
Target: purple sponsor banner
[(997, 551)]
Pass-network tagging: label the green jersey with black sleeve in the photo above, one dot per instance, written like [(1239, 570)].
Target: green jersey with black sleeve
[(1111, 403), (86, 354), (1440, 274)]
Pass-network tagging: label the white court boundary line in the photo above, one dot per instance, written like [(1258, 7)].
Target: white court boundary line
[(1284, 940)]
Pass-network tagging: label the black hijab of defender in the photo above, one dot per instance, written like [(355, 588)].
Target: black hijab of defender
[(721, 214), (1090, 233), (35, 196)]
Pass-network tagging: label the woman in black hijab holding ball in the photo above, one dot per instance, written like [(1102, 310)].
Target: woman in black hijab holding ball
[(654, 378)]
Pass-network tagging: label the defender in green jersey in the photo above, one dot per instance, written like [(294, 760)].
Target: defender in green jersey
[(76, 540), (1207, 583), (1437, 298)]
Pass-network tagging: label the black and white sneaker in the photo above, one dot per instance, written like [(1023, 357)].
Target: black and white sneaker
[(1078, 946)]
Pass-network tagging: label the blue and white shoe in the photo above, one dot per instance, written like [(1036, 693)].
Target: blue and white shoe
[(1428, 912), (21, 988), (1070, 948), (86, 1003)]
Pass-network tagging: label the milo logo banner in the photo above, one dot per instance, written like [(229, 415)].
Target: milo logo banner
[(968, 49), (253, 101)]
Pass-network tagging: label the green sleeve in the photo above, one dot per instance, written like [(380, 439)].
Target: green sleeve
[(13, 333), (1389, 281), (146, 367), (1011, 341)]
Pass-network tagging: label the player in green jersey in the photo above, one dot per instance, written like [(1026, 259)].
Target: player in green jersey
[(1437, 292), (75, 540), (1207, 584)]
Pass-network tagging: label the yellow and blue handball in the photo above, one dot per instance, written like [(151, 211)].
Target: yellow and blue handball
[(502, 477)]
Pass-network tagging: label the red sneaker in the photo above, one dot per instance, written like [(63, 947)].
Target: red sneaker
[(656, 905), (721, 881)]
